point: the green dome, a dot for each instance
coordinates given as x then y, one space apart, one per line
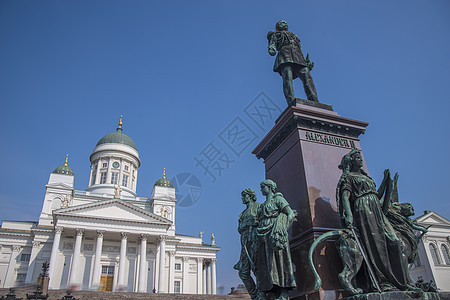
117 138
163 181
64 169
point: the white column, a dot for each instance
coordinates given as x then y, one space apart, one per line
208 278
162 262
134 183
95 283
97 172
213 276
54 255
200 275
156 271
108 172
32 263
90 175
76 257
119 181
116 274
143 265
185 274
123 255
204 278
11 266
171 271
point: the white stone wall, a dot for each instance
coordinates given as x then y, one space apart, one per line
438 235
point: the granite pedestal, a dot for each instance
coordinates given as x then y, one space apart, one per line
301 154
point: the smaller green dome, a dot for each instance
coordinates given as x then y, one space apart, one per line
64 169
163 181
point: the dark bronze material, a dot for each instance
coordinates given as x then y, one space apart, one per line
290 63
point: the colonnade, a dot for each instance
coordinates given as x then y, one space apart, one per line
206 269
97 166
96 273
209 277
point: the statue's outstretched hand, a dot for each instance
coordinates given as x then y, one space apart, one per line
272 51
396 177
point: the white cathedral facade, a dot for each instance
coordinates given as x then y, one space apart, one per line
107 237
433 260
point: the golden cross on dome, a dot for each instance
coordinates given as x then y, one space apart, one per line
67 158
164 173
120 122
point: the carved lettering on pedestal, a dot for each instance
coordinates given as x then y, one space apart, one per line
329 139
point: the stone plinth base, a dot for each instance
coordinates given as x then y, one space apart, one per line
400 296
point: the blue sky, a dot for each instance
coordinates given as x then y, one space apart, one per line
181 71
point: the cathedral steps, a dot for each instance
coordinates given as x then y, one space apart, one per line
96 295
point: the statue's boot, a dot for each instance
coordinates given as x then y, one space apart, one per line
313 97
251 288
416 291
346 278
308 84
283 295
254 294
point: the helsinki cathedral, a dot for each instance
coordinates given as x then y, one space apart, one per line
107 237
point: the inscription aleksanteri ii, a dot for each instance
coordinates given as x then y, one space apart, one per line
329 140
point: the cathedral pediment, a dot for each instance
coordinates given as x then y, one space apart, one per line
113 210
432 218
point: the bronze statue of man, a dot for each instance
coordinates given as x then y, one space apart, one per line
249 244
290 63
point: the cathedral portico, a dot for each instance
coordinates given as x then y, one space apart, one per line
122 251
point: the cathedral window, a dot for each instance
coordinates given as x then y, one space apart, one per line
446 254
105 165
177 287
178 267
68 246
88 247
126 168
434 254
21 277
94 175
25 257
114 177
125 180
102 177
